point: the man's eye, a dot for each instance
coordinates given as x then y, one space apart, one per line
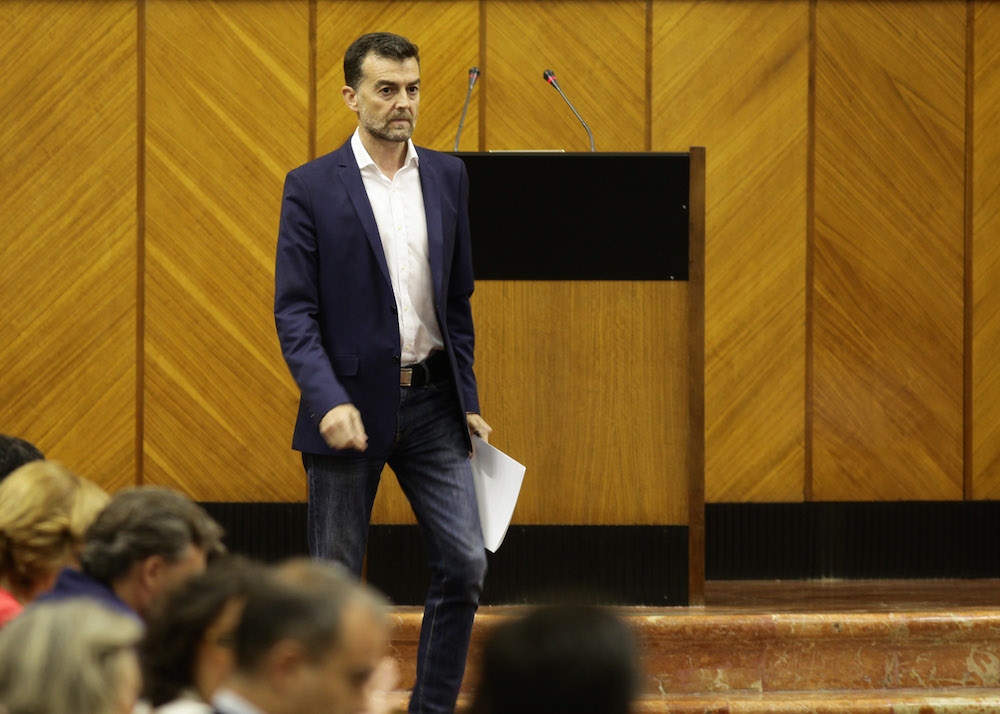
413 90
384 90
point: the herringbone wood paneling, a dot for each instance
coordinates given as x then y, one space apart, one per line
447 34
986 255
68 234
598 53
889 237
733 77
586 384
227 117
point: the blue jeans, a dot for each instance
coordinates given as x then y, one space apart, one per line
431 462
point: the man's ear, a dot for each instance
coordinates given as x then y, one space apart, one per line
151 569
284 664
350 97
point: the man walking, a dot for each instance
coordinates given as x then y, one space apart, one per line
372 283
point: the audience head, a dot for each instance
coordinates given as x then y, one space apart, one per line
146 542
45 510
188 646
559 659
309 640
69 656
15 453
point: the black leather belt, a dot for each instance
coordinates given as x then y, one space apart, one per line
419 375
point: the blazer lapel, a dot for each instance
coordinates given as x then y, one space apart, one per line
350 175
431 189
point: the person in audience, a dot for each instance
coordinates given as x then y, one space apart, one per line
559 660
44 511
187 652
72 657
15 453
309 641
144 544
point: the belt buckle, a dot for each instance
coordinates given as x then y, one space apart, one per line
405 376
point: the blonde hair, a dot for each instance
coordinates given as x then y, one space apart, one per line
44 511
65 656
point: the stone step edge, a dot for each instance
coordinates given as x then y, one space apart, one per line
886 701
691 625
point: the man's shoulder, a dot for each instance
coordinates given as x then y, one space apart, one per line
439 159
323 165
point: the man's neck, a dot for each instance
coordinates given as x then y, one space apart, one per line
254 692
387 155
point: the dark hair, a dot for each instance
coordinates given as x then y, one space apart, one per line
380 44
178 626
559 660
15 453
301 600
140 522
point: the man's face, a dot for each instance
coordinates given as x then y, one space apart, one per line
337 683
387 98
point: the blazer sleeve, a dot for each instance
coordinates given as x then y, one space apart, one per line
296 303
459 309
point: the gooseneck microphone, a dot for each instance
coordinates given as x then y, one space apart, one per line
550 77
473 76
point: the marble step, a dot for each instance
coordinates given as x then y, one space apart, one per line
908 701
688 651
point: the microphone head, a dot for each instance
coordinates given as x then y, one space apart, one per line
474 72
549 76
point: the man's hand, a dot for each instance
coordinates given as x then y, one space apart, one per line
479 427
341 428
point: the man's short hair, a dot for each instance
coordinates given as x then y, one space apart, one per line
141 522
302 600
380 44
15 453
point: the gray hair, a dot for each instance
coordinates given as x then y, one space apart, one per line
142 522
65 656
301 600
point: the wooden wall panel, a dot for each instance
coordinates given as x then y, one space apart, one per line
889 239
576 380
447 34
986 255
68 234
227 117
598 53
733 77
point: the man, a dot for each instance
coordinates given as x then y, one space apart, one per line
372 283
309 641
145 543
15 453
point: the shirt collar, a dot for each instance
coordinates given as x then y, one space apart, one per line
365 160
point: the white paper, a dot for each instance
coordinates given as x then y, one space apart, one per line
498 479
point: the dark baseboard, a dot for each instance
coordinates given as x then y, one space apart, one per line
901 539
648 564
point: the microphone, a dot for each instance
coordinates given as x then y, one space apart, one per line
550 77
473 76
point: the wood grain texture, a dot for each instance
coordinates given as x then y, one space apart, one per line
732 76
226 119
890 116
986 255
585 383
598 53
447 34
68 235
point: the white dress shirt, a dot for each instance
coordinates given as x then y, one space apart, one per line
398 205
229 702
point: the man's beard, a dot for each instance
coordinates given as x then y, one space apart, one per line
385 130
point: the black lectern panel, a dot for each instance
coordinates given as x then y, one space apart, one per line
549 216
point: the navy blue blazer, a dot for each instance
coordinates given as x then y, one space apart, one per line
333 302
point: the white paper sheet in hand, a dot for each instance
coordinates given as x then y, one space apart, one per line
498 481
